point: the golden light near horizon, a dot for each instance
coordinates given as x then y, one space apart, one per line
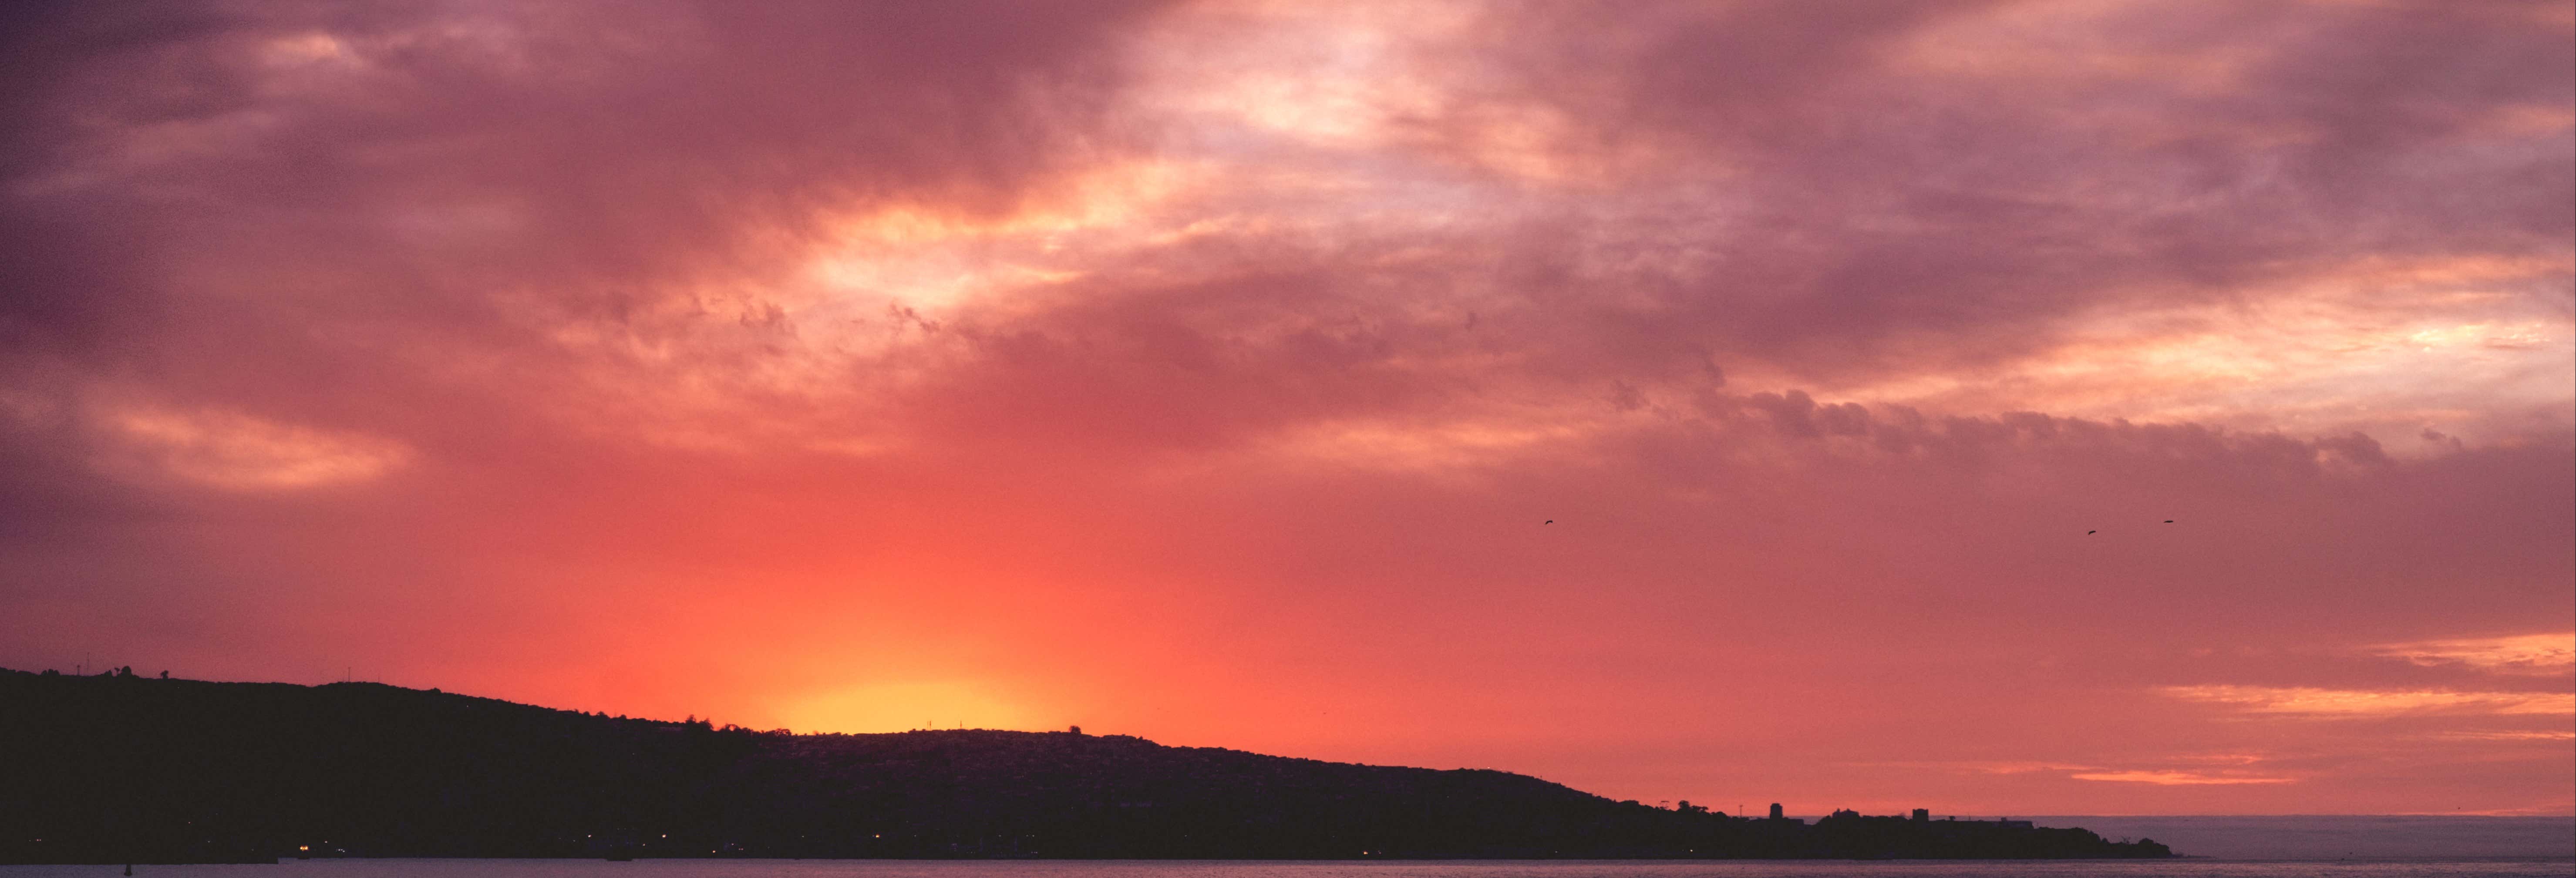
906 706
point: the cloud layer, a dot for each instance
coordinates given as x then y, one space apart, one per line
1207 370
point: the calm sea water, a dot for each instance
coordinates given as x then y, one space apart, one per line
2238 847
1163 869
2343 837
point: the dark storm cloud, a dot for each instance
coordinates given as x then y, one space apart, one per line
442 155
352 216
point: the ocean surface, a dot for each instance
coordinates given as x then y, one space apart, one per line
2341 837
1273 869
2220 847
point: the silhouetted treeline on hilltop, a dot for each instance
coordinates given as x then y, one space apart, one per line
128 768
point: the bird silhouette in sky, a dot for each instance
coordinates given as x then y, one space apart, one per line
2168 521
1549 521
2091 532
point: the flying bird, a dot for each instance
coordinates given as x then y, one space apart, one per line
1549 521
2168 521
2091 532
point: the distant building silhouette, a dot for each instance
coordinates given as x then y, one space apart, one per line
1775 810
1922 815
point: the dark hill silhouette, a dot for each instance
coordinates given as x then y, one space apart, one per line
112 769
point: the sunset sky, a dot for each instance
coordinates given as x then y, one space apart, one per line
1205 372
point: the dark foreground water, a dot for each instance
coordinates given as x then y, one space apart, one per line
1241 869
2235 847
2340 837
